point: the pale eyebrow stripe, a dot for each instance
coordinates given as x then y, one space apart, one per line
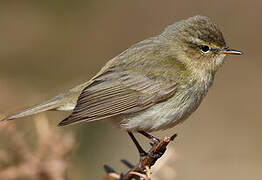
195 40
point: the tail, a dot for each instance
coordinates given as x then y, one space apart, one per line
63 102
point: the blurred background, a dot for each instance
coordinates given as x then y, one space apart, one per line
49 46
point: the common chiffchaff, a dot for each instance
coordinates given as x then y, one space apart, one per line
155 84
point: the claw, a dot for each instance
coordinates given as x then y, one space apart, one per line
108 169
127 163
173 137
111 172
149 136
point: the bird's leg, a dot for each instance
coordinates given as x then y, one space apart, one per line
139 148
147 159
149 136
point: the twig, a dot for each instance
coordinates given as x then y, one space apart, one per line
142 169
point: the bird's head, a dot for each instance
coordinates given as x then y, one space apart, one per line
198 42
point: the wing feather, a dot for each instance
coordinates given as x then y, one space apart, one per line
117 90
118 96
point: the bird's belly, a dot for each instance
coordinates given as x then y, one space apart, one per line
164 115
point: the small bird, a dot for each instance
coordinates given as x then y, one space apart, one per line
153 85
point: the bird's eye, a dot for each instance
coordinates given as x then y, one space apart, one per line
204 48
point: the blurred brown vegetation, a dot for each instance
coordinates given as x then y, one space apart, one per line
50 46
36 158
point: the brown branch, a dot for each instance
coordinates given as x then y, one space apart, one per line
142 169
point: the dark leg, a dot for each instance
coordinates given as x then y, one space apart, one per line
139 148
149 136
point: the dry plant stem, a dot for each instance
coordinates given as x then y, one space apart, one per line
46 160
142 169
149 160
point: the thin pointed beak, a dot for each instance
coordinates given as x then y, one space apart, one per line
230 51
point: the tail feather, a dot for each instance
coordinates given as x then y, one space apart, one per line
65 101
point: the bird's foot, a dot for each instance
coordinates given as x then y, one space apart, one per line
149 136
147 160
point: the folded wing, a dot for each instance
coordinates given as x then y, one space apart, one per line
113 93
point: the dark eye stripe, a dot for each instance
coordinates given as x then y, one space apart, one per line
215 49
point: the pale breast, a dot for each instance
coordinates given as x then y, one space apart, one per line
169 113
